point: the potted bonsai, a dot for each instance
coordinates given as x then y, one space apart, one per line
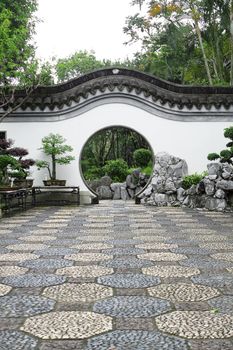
54 146
13 165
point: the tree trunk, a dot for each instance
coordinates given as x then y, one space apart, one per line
53 167
203 51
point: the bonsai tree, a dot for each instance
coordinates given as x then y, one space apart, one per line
225 155
54 146
13 165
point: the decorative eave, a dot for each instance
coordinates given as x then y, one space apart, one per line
125 81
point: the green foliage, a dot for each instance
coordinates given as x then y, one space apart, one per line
16 30
183 41
193 179
225 155
54 146
142 157
116 169
213 156
7 163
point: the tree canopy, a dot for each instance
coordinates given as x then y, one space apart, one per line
184 41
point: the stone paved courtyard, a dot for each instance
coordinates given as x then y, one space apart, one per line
116 276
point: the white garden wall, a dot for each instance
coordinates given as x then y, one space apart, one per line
190 140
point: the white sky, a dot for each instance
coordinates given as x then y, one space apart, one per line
73 25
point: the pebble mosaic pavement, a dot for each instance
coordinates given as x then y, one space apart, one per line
116 276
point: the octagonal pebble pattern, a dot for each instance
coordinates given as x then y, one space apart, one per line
170 271
162 256
22 306
223 304
157 246
12 271
128 280
78 293
33 280
39 238
183 292
196 324
4 289
132 306
223 256
217 280
56 251
94 246
88 257
14 340
46 263
84 271
136 340
18 256
205 263
129 263
24 247
67 325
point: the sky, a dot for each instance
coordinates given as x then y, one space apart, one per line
68 26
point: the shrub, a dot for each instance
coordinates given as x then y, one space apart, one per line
116 169
225 155
93 173
142 157
193 179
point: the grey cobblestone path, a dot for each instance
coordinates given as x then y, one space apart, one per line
116 276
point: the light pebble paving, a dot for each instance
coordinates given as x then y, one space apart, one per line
3 232
98 225
84 271
78 293
171 271
94 246
12 271
217 246
57 220
223 256
18 256
35 238
162 256
24 247
89 257
210 238
196 324
4 289
151 238
156 246
67 325
93 238
183 292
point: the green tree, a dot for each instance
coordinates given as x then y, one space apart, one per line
209 44
18 66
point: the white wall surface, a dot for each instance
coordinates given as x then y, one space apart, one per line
191 141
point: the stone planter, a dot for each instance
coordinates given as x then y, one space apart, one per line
54 182
23 183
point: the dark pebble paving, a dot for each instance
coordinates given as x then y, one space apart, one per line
221 281
136 340
33 280
8 241
132 306
124 251
207 263
223 304
124 241
20 306
128 280
130 262
56 251
14 340
46 263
